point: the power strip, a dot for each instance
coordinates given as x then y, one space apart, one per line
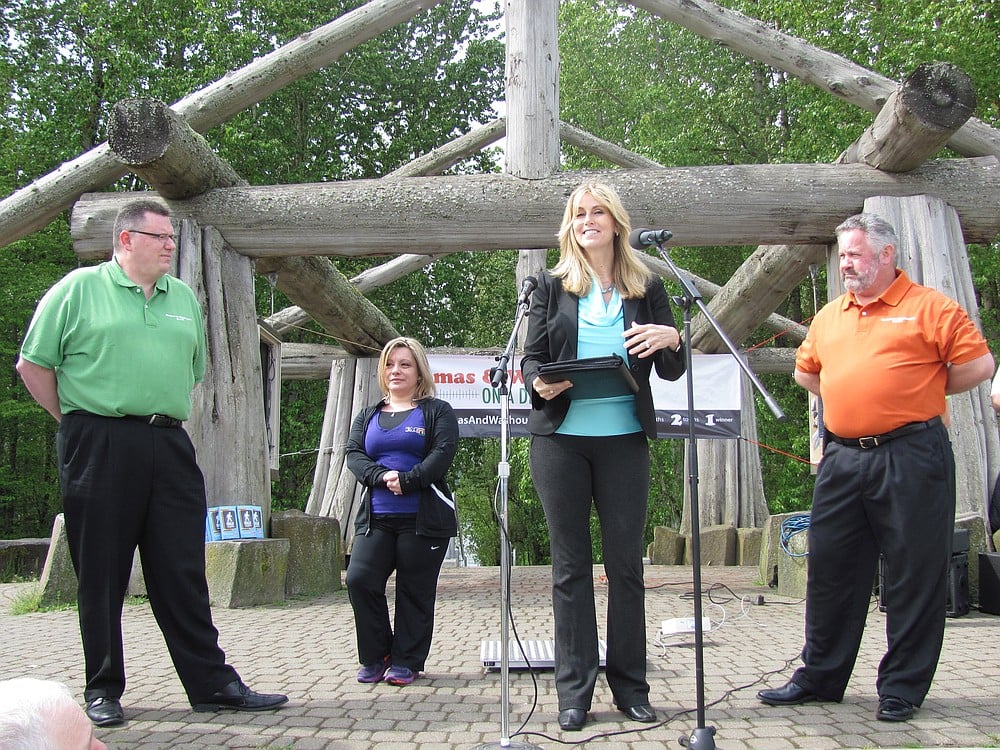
684 625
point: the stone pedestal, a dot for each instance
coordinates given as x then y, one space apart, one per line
718 546
315 556
667 547
22 558
748 544
240 573
790 570
58 581
247 572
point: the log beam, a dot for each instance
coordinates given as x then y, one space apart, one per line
825 70
323 292
721 205
929 107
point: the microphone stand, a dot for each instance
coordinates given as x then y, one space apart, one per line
703 737
498 379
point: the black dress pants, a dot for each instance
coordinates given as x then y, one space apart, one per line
573 474
899 500
393 544
125 485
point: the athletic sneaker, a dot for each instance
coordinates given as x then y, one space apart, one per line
373 672
400 675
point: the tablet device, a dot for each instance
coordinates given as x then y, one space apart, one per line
594 377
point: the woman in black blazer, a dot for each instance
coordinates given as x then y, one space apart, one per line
599 299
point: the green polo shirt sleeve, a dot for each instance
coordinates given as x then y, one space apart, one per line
115 352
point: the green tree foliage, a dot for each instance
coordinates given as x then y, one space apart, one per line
63 63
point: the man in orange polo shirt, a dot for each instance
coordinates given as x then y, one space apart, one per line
883 356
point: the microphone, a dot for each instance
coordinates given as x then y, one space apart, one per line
640 238
527 287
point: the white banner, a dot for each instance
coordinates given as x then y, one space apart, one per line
464 382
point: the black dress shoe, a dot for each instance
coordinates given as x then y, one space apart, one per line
572 719
239 697
643 712
789 695
891 708
105 712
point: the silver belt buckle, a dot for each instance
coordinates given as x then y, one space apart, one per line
868 442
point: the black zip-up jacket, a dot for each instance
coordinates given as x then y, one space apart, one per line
553 325
436 515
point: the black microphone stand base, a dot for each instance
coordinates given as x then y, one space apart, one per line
702 738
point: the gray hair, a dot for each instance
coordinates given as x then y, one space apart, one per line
134 211
878 231
29 707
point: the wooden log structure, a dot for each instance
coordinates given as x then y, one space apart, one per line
227 424
169 155
720 205
36 204
825 70
929 106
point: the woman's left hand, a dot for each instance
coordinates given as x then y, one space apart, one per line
644 340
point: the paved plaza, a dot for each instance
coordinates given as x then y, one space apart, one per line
306 648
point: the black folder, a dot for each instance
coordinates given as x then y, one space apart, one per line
594 377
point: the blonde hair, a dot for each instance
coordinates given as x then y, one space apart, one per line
425 379
629 273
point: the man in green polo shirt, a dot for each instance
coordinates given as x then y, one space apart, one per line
112 353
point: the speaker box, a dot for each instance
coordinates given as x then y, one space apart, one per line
958 603
958 586
989 582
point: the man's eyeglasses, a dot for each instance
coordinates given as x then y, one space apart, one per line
160 237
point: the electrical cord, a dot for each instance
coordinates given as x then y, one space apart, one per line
791 527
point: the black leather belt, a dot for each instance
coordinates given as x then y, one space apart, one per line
157 420
874 441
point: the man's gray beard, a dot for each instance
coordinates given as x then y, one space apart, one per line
858 283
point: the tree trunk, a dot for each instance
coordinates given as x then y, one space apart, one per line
227 419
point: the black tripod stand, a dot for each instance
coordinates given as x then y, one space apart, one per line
702 737
499 379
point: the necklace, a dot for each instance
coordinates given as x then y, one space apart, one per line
394 410
609 289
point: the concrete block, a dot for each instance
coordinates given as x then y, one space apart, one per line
718 546
246 573
748 543
667 547
792 565
793 572
22 558
770 549
315 555
58 581
136 581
